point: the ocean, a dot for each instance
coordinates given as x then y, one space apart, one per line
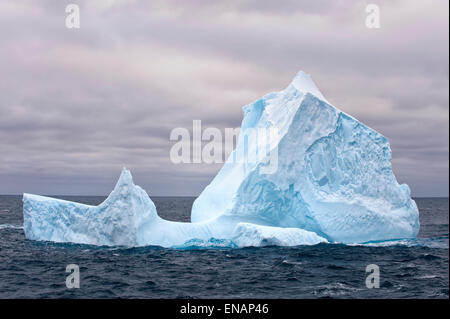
416 268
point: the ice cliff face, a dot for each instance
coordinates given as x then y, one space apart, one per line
333 182
334 175
119 220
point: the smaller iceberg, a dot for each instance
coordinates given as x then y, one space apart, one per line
128 217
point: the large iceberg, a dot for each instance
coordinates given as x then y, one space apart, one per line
333 182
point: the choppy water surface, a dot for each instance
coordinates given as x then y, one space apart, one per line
408 268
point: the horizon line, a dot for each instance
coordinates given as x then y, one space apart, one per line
53 195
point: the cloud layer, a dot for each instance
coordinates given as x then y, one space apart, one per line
78 104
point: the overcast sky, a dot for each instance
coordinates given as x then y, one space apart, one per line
76 105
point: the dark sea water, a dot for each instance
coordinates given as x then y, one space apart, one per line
408 269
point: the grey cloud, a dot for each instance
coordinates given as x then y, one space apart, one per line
77 105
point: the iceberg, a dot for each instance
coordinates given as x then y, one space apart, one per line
333 182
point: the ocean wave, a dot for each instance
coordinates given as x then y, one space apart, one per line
433 242
204 244
10 226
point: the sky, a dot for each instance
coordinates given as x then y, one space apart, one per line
77 105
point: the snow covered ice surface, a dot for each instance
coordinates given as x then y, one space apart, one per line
333 183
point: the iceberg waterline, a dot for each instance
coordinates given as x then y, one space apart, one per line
333 183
